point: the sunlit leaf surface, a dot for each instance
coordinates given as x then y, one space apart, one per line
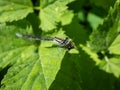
53 13
111 66
12 10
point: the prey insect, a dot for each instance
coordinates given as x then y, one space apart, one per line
62 42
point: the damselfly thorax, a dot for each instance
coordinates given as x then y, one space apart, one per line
62 42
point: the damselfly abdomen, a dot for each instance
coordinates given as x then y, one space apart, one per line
62 42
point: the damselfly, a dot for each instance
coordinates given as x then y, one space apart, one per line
62 42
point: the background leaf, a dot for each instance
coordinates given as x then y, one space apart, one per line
115 45
13 10
103 3
102 38
112 66
53 13
104 42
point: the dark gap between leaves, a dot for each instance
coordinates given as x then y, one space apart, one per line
3 73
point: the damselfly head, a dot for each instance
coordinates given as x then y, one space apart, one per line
70 45
64 42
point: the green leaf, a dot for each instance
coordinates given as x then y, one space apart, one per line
114 48
111 65
51 56
101 39
13 10
53 13
25 73
94 20
104 39
92 54
103 3
8 38
51 61
66 18
25 70
44 3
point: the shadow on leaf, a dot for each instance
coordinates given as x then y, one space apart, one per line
3 73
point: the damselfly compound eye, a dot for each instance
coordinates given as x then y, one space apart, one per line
70 45
62 42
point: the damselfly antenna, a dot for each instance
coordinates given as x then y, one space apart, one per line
62 42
